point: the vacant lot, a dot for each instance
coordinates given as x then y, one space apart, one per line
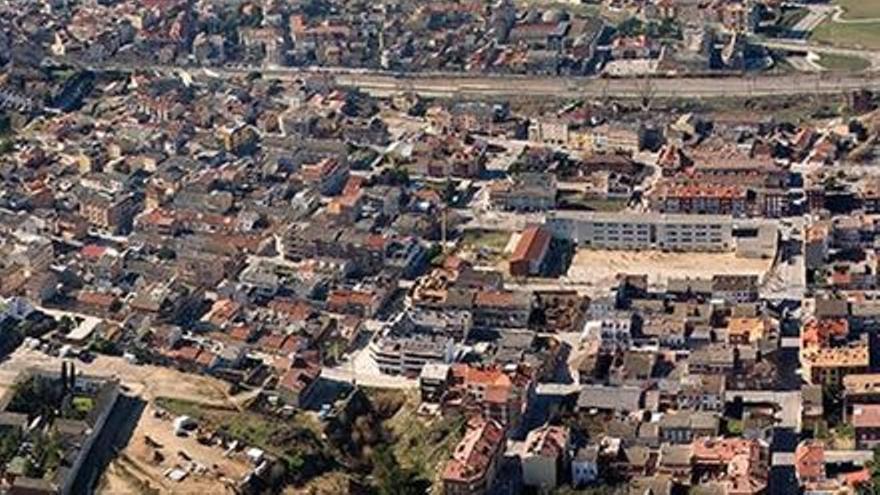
862 35
601 267
154 449
146 381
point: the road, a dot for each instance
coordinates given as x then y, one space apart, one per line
463 85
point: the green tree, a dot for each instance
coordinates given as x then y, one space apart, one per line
391 478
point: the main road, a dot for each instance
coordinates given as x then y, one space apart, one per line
463 85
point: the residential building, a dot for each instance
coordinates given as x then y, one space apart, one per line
545 457
531 191
474 463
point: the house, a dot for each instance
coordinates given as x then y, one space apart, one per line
474 463
809 461
530 191
545 456
701 393
680 427
491 392
585 466
297 382
866 422
675 461
604 398
530 252
738 465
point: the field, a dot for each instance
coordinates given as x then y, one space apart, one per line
862 35
859 9
843 62
601 267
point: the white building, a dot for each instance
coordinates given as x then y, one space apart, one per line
644 231
613 332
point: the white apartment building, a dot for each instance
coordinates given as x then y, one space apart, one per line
644 231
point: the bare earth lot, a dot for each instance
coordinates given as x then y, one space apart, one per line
138 469
601 267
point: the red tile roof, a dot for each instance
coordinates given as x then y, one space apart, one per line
475 453
533 242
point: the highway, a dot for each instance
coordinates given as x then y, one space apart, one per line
463 85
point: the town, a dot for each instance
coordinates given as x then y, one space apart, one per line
329 247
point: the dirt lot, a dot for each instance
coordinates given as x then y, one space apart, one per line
147 382
136 469
600 267
143 463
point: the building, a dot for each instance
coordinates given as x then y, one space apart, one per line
474 463
545 457
328 176
524 192
830 365
500 395
613 332
530 252
554 132
809 461
502 309
740 466
644 231
408 354
680 427
585 466
866 422
701 199
109 213
434 380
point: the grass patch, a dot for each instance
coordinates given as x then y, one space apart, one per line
864 36
494 240
578 201
843 62
422 444
859 9
82 404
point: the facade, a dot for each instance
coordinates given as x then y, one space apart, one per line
525 192
866 422
545 457
646 231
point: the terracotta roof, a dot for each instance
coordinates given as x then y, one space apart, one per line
475 452
532 243
809 460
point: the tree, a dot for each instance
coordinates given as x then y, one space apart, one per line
391 478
